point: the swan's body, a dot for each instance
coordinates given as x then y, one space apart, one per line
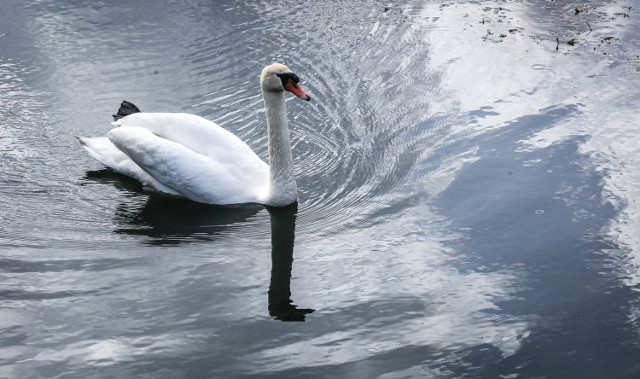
186 155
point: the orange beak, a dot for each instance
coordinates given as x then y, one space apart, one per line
295 89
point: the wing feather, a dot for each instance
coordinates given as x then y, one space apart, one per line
179 163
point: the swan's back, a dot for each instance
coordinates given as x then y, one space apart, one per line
198 134
193 156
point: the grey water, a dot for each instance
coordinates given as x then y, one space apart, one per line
468 178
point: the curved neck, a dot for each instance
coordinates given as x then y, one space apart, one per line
282 183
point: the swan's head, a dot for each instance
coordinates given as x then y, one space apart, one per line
278 77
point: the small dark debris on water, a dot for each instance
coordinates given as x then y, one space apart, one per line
577 10
571 42
503 36
386 9
557 43
513 30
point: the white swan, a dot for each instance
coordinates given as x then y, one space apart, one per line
186 155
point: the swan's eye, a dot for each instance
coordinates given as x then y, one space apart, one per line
284 77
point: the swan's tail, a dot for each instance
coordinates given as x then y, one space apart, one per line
126 108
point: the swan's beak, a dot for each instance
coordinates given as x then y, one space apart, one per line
295 89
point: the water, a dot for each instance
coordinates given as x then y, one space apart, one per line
468 178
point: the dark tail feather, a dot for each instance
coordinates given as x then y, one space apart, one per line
126 108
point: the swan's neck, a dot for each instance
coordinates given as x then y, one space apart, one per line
282 183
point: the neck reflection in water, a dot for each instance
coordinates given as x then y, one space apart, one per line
283 224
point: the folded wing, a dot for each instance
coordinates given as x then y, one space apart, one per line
184 159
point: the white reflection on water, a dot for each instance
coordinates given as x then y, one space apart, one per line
496 78
525 78
615 152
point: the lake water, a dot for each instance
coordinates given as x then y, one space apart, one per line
468 174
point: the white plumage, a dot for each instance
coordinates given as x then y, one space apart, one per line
186 155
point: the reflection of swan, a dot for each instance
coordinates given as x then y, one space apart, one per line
282 236
188 156
173 220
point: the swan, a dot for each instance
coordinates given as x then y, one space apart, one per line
188 156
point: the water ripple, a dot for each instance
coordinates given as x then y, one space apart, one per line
366 132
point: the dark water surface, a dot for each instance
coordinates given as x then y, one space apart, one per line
469 176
